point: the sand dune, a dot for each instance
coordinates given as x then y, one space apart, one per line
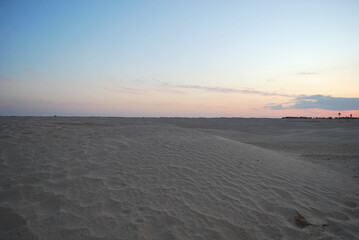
114 178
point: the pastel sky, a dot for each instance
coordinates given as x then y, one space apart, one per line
179 58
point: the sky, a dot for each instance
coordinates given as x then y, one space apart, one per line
267 58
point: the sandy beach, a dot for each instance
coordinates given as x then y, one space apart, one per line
178 178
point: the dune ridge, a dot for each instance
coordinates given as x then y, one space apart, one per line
111 178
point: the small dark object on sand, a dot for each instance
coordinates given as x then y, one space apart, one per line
301 221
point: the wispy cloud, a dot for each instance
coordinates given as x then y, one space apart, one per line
27 71
54 103
276 107
169 90
306 73
233 90
271 80
321 102
126 90
7 79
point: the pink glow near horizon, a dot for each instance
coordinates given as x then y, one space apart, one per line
168 110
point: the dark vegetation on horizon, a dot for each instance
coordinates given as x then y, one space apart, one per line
339 117
290 117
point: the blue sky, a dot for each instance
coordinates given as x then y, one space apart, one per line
133 58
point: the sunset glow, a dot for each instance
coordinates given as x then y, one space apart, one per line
179 58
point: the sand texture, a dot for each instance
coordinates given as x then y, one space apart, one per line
178 178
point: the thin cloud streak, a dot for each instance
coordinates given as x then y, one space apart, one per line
7 79
167 90
307 73
233 90
270 80
64 104
126 90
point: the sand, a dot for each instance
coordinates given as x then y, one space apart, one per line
178 178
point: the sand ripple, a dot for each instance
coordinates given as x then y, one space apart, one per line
107 179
